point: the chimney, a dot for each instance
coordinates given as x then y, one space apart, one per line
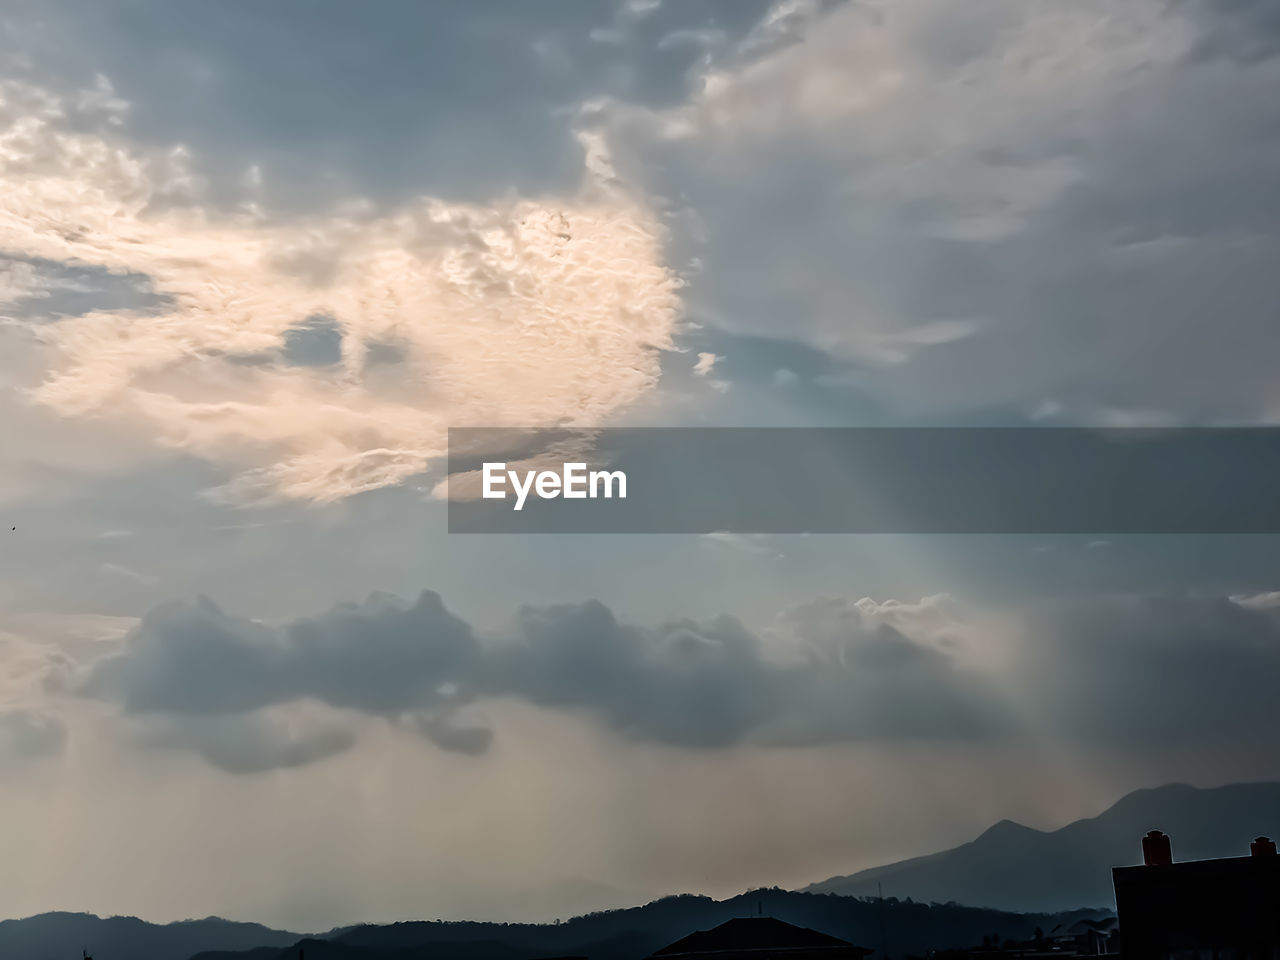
1263 847
1156 849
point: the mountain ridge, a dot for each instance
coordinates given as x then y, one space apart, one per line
1009 880
636 932
57 934
1010 866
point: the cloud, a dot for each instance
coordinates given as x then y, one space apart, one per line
825 671
127 573
756 544
706 363
381 657
18 281
886 670
247 743
685 683
255 351
27 735
1081 184
447 735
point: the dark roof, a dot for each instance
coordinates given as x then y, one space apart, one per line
1247 870
751 933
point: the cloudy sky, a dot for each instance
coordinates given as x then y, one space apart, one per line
256 258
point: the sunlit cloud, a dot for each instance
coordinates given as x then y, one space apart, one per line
525 311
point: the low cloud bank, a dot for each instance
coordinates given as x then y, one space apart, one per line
1120 670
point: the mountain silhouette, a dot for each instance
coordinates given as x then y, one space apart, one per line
891 927
628 934
1016 868
56 936
1014 879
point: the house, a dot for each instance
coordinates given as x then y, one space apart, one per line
1084 938
760 938
1225 909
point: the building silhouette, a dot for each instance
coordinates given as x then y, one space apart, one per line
1225 909
759 938
1084 938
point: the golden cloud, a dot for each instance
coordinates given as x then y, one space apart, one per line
547 311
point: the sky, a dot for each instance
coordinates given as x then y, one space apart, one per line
255 259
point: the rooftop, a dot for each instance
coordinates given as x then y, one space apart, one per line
753 933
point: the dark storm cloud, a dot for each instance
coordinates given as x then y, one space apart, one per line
1110 671
381 657
684 683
